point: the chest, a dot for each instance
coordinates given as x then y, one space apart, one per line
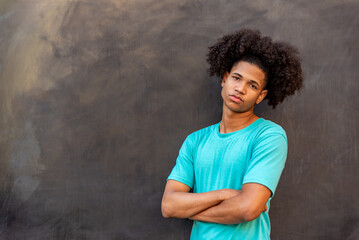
222 164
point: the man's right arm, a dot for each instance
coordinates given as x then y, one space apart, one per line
178 202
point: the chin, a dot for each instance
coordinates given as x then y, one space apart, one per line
241 110
236 110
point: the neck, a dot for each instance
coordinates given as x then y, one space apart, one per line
232 121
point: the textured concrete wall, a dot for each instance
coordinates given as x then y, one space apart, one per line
98 95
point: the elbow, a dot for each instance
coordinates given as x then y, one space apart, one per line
248 214
165 213
166 209
169 210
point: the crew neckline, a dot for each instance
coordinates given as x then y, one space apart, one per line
240 131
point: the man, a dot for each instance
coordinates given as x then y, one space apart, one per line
233 167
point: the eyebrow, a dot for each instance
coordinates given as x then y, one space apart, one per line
252 81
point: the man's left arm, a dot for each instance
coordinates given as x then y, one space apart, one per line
246 206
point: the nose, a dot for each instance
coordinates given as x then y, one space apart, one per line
240 87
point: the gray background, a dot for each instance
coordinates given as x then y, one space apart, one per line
97 97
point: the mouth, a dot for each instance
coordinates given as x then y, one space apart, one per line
236 99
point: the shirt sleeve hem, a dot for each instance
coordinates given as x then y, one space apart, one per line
181 179
261 182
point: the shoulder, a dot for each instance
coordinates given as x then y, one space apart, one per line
202 133
268 128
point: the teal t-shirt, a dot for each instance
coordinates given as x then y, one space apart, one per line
209 160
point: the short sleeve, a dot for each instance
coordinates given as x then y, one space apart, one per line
268 159
183 170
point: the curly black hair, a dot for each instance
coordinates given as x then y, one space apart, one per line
278 60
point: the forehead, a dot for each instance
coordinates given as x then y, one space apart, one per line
249 71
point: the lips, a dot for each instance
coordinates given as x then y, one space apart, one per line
236 99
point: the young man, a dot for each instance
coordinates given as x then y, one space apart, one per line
233 167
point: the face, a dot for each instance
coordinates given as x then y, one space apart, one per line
242 88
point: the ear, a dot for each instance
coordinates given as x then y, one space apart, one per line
261 96
224 78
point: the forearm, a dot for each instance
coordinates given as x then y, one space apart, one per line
184 204
219 214
231 211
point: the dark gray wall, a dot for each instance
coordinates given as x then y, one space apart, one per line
98 95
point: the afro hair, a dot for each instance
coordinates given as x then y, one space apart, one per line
278 60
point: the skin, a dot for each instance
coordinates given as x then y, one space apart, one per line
246 81
242 89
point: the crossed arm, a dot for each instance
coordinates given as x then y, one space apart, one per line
225 206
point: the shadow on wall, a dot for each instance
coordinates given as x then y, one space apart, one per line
92 91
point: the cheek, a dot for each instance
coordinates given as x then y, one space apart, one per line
222 92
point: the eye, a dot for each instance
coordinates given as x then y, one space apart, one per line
253 86
235 77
